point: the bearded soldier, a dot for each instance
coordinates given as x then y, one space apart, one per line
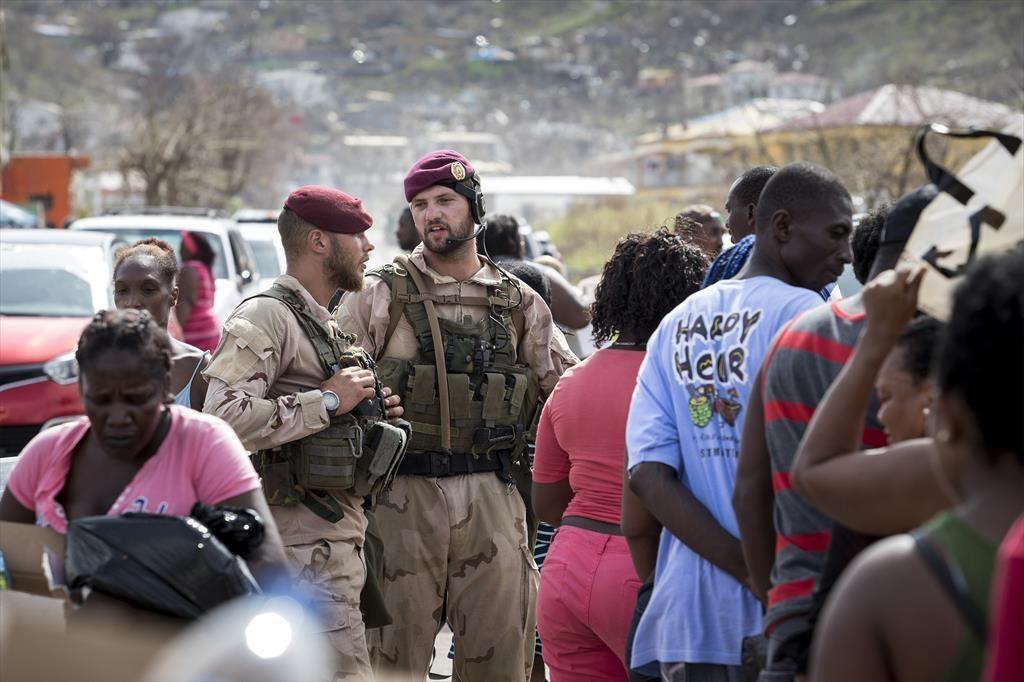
472 351
308 403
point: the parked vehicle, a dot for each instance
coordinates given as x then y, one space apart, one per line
234 269
14 216
51 284
259 229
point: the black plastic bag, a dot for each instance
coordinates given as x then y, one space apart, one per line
169 564
241 530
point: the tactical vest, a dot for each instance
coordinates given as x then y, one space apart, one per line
493 400
358 452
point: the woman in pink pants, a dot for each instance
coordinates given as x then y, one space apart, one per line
588 585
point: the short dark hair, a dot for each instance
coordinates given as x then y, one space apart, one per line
982 345
701 213
865 240
531 275
131 330
747 188
687 227
293 231
501 238
648 275
406 217
796 188
157 249
919 343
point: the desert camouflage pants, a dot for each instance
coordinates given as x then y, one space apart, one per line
464 536
330 572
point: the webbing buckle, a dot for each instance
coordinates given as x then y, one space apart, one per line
440 464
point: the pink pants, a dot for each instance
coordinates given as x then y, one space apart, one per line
587 593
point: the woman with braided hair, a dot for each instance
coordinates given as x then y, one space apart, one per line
134 451
589 584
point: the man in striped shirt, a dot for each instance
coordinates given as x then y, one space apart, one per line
784 538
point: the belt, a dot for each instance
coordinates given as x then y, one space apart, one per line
592 525
441 464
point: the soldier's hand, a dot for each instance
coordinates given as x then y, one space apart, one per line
353 385
391 402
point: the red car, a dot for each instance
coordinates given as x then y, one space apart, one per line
51 284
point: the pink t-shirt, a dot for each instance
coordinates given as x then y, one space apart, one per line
582 433
200 460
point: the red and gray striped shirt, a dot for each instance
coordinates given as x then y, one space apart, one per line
802 363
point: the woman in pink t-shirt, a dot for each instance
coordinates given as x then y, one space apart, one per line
588 585
197 289
133 451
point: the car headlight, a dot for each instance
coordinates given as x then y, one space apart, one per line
62 369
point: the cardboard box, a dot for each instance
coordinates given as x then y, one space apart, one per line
35 645
25 546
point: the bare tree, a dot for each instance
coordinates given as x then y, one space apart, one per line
201 148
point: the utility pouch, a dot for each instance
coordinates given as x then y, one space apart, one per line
383 449
276 478
327 460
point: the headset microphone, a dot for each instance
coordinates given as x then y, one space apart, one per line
457 240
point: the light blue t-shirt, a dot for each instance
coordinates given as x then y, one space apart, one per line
687 412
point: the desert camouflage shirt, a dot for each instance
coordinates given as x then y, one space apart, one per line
365 314
265 382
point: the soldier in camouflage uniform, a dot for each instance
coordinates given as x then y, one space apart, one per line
268 381
454 528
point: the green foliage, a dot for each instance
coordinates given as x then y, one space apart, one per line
586 236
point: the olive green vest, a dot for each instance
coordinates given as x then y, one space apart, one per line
493 400
356 453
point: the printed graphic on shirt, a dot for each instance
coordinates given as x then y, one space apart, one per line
711 362
139 505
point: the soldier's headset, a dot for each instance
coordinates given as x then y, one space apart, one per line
470 188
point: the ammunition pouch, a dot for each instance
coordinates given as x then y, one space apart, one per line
344 457
383 450
494 411
326 460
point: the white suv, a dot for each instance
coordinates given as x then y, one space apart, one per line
234 268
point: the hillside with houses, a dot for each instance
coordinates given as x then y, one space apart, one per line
237 102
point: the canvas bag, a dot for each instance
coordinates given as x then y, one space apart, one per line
978 210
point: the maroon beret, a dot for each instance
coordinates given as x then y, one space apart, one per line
329 209
443 166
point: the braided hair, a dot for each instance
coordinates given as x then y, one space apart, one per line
648 275
130 330
865 240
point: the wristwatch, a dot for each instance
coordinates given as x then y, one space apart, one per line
331 401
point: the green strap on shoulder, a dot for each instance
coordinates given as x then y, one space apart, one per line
318 336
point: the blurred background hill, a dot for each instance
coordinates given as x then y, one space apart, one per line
232 103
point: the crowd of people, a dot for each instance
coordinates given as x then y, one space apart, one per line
752 478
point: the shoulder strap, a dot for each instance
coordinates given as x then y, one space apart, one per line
205 358
314 329
442 372
398 288
953 584
397 283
